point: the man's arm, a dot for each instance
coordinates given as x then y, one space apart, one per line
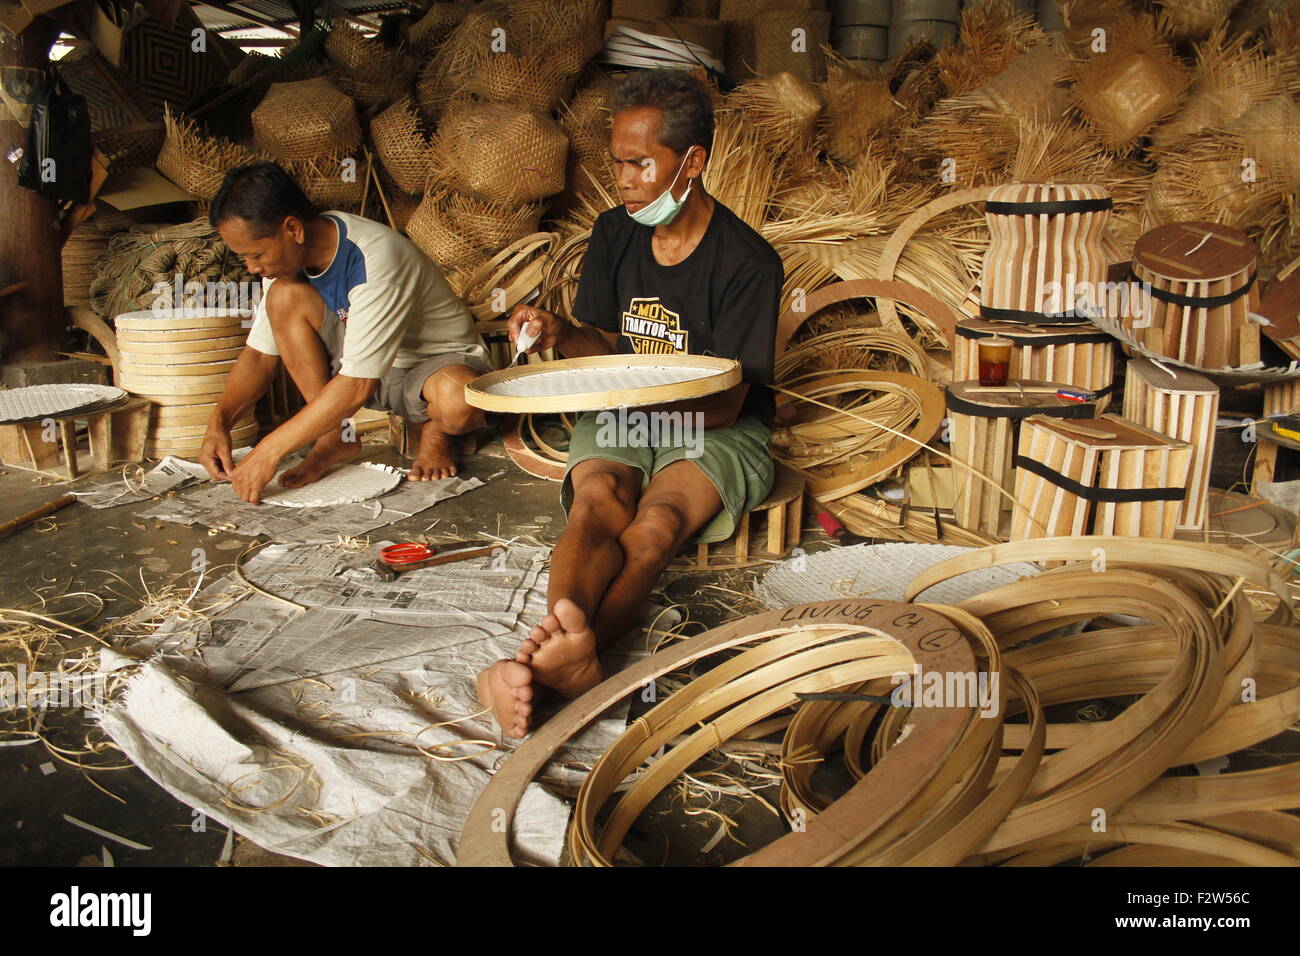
248 381
720 410
337 401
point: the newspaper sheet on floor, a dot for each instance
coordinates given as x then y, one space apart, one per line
212 506
880 571
169 474
347 733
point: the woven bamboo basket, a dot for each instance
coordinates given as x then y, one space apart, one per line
984 429
1077 355
775 42
1183 405
534 82
330 181
402 146
81 255
491 226
502 154
183 389
1125 93
196 162
1045 247
1271 134
1107 476
1200 290
429 32
1194 19
305 120
364 57
431 229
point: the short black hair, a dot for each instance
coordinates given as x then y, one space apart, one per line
262 194
682 100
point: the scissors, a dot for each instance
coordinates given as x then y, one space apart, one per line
396 558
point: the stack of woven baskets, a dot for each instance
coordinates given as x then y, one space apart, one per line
81 254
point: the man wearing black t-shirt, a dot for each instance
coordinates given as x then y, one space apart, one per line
669 271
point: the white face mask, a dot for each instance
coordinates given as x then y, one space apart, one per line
665 208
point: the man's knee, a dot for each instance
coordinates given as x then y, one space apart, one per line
291 302
654 536
602 494
444 391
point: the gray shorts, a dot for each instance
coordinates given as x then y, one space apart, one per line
401 390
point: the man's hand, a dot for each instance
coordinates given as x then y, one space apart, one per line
253 474
215 455
538 321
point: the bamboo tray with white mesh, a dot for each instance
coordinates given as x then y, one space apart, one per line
603 381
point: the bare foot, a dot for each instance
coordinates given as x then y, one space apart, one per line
507 687
323 455
561 652
436 457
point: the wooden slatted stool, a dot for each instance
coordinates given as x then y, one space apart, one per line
1108 476
1200 293
984 429
1184 405
1078 355
1280 398
767 533
114 435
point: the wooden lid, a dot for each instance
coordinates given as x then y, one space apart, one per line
1182 251
1169 378
1280 304
1109 431
1010 401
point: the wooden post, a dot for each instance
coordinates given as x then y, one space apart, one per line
33 327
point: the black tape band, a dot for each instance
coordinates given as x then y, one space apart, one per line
1104 495
1197 301
1048 208
1030 318
963 407
1081 338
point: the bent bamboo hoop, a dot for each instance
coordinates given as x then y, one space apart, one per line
884 291
909 227
530 389
1183 405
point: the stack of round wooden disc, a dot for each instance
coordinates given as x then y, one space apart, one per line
179 361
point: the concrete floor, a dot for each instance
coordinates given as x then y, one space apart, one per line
107 551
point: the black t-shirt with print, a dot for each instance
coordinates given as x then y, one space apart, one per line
721 300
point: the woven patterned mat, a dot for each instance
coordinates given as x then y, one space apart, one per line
35 402
577 381
340 487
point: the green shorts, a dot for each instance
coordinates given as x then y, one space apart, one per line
734 459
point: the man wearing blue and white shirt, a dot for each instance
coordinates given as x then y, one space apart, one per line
358 314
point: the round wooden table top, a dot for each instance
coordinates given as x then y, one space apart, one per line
1019 398
1194 251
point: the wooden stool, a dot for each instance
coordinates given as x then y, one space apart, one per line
782 510
1201 291
1137 478
114 434
984 427
1183 405
1280 398
1076 355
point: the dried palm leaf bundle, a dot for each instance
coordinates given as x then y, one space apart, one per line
1137 83
785 107
1194 19
197 162
741 173
491 226
913 77
432 29
839 203
1271 136
306 119
859 109
402 145
431 229
991 35
1231 77
533 81
501 153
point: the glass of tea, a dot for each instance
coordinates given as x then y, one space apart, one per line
995 360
